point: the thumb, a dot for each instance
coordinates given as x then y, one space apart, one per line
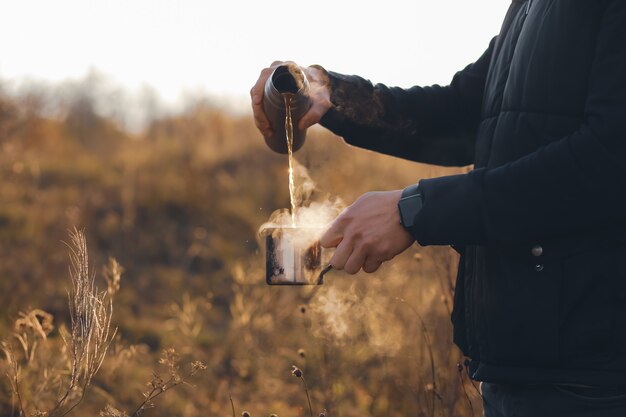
314 115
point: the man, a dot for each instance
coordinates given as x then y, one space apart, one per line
540 222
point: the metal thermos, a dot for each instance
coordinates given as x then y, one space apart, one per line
290 260
289 80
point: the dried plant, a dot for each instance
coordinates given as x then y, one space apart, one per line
13 375
188 316
160 385
297 372
110 411
119 356
30 336
112 273
433 385
31 327
459 367
90 332
86 342
232 404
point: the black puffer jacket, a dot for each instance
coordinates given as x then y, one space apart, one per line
541 220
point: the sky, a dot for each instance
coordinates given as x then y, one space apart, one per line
194 47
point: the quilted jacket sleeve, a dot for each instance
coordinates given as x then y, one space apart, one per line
435 125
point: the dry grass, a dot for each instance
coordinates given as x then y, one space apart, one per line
178 206
85 347
85 344
90 335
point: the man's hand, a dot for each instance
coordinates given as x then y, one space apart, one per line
367 233
319 93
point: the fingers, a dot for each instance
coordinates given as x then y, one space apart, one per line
341 255
351 254
371 265
355 262
351 260
256 93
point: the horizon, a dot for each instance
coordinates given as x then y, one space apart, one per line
176 53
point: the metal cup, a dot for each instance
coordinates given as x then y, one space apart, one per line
294 256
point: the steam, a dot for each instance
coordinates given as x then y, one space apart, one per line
340 313
311 217
344 315
384 309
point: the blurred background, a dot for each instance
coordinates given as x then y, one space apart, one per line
131 120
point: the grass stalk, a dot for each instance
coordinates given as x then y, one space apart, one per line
429 348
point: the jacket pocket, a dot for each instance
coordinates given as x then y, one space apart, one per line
587 307
520 308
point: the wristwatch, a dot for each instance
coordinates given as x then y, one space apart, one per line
409 205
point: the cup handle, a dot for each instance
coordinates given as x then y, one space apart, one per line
324 271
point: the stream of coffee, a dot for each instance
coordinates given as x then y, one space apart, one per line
289 134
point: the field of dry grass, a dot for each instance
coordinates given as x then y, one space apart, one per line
171 216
